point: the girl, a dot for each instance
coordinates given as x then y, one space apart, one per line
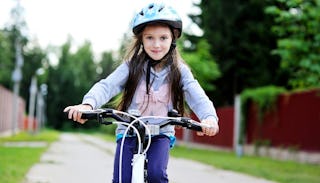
154 79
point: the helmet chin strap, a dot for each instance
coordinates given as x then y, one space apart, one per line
152 63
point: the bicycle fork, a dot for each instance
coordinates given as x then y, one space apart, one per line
138 168
139 161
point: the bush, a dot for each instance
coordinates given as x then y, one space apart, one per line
263 97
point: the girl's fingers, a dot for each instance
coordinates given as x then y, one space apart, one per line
210 131
74 114
200 133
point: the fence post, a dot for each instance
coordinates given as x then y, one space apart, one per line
236 132
33 91
186 135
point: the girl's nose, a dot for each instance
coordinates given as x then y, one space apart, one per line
156 43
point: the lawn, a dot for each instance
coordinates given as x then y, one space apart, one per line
15 161
275 170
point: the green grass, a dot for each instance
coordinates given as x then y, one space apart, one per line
275 170
16 161
46 135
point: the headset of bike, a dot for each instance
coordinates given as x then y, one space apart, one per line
153 79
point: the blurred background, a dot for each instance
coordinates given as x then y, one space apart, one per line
258 61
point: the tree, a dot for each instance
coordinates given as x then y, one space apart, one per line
106 65
6 60
241 42
34 59
297 26
69 81
203 65
13 34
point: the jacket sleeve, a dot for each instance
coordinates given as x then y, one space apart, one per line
195 96
105 89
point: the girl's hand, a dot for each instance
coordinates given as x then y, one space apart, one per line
210 131
75 114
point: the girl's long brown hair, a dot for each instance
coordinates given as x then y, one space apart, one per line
136 58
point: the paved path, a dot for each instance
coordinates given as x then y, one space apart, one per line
85 159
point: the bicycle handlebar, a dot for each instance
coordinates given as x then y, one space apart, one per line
135 124
173 118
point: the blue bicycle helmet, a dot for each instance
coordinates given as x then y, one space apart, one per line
157 13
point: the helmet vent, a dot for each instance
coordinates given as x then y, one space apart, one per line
151 6
141 13
160 9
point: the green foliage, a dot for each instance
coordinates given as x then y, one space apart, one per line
297 24
263 97
204 66
34 59
240 42
67 82
6 60
107 65
70 80
110 130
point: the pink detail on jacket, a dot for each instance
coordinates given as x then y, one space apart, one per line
158 100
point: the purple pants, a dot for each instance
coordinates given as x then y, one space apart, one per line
157 155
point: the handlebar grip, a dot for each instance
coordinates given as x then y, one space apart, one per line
191 124
195 126
87 114
91 114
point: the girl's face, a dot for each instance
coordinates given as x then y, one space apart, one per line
156 40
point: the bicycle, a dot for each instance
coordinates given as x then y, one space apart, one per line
143 132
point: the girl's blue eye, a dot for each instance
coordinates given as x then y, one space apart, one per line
164 37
